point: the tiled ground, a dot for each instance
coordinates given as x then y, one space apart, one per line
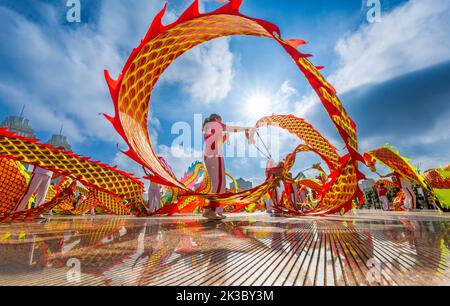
362 248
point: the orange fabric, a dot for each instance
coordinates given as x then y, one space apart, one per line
94 175
163 44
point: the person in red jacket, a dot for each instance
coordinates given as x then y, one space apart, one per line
382 195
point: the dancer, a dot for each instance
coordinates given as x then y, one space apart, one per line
382 195
80 200
302 197
410 196
406 187
215 134
154 197
273 170
39 183
293 190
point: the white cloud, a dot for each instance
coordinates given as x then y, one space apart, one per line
58 70
205 72
126 164
432 161
179 158
283 100
286 97
305 105
50 120
240 163
62 73
411 37
438 133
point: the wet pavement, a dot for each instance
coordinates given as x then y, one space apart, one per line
361 248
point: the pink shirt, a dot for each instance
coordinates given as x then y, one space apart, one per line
214 139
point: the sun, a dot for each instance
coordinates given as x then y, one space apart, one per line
257 105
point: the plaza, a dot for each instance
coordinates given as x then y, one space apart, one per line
365 247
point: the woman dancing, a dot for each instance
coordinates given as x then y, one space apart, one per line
215 134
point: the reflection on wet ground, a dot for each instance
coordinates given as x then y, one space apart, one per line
362 248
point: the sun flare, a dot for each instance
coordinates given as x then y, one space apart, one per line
257 105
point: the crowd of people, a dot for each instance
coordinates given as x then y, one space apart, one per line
404 196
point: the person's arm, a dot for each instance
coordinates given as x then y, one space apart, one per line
249 132
237 129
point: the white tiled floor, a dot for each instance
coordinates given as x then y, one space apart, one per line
362 248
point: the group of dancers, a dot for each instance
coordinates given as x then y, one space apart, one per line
410 201
216 134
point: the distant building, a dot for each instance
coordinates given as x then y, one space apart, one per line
246 185
21 126
301 176
60 141
367 185
18 125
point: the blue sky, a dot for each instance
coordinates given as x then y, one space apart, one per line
392 76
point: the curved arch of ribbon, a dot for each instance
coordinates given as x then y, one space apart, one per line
392 159
131 95
313 140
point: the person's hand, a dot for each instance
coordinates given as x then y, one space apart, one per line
250 134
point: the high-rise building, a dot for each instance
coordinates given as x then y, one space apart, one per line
246 185
21 126
301 176
18 125
367 185
60 141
